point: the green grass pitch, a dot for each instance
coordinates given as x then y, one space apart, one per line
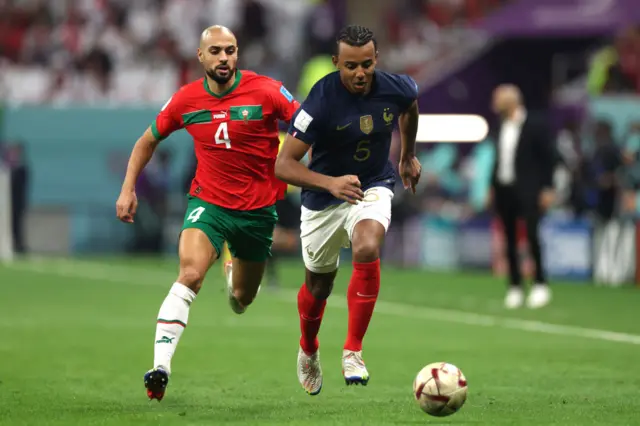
77 337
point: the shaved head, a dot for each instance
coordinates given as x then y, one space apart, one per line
215 32
218 54
506 99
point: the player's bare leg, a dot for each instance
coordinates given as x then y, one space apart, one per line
312 299
197 254
362 294
243 282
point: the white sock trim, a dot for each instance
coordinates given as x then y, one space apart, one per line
183 292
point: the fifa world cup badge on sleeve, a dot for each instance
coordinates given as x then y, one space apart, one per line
366 124
245 115
302 121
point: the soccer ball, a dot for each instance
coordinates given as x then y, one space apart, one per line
440 389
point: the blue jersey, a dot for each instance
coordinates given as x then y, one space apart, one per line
351 134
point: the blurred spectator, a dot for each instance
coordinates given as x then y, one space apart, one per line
570 150
423 33
631 175
320 29
153 192
118 51
312 71
616 68
605 165
624 75
15 157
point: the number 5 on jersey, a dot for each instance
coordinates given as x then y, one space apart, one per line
222 135
362 151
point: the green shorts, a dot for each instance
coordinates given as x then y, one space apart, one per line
249 234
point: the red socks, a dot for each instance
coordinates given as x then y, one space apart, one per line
311 311
361 298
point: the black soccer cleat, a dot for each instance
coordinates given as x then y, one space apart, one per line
156 382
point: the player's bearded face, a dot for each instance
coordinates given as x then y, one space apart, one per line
222 73
219 62
357 65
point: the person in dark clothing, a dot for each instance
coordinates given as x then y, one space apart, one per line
20 173
606 162
522 187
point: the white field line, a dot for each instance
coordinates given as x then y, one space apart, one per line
97 271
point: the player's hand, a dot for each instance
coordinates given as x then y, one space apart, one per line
126 206
347 188
409 170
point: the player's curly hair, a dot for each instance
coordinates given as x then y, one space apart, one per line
356 35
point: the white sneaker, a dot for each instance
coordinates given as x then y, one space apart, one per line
233 302
514 298
353 368
539 296
310 372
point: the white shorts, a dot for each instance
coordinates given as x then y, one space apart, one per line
323 233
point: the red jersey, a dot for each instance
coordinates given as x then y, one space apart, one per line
235 136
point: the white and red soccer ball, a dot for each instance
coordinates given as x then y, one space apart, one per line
440 389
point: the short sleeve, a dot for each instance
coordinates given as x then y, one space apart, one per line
408 91
168 119
285 105
306 123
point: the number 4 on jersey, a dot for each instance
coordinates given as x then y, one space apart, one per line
195 214
222 135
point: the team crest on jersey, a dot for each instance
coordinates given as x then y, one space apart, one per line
387 116
366 124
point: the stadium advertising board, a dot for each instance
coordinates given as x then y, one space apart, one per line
566 244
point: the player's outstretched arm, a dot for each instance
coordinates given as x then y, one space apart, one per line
290 170
409 167
142 151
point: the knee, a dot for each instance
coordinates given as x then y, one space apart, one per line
321 292
320 285
191 277
365 250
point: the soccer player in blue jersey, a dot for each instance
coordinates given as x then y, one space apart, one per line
347 121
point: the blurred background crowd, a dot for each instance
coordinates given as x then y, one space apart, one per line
137 52
79 79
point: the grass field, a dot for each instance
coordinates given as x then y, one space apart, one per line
77 337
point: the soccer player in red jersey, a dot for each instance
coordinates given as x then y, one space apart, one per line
232 116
